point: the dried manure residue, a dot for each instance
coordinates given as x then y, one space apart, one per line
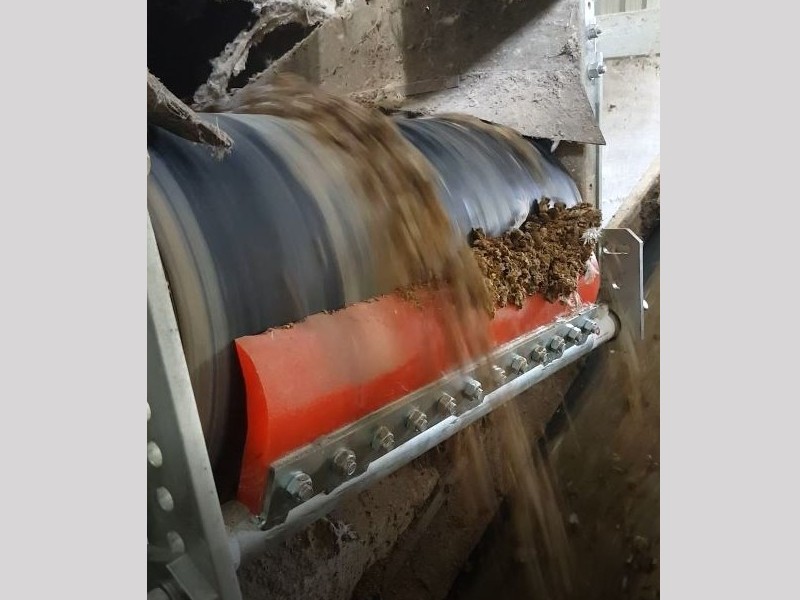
545 256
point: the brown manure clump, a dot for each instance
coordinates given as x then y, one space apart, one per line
545 256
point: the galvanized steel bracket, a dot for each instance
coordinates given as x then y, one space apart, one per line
622 281
186 536
468 388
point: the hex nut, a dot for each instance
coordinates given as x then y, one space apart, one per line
557 345
383 438
417 420
448 404
539 355
591 326
597 68
473 390
345 461
575 334
518 364
300 486
499 375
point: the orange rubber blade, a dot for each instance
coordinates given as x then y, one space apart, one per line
316 376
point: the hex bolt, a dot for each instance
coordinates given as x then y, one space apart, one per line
164 499
448 404
539 355
345 461
499 375
383 438
590 326
299 486
154 456
473 390
518 364
417 420
593 32
557 344
575 334
175 542
597 68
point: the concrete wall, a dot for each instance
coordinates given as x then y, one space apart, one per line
631 122
630 115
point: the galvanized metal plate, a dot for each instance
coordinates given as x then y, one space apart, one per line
621 274
185 532
526 70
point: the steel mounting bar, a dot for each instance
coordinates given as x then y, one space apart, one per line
251 539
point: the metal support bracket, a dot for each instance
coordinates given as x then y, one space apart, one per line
622 284
593 82
186 537
329 462
252 536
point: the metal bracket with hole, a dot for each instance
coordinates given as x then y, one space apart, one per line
187 540
622 279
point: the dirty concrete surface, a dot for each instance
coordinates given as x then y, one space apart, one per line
515 63
631 121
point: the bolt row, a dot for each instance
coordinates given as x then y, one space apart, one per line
597 67
299 484
543 355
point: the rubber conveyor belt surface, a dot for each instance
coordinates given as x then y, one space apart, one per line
274 232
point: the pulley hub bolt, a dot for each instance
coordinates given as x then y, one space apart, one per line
383 439
417 420
345 461
299 486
